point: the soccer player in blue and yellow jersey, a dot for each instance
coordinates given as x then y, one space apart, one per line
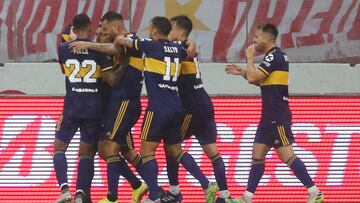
274 130
123 109
163 116
84 71
199 119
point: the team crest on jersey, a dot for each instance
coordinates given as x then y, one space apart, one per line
269 57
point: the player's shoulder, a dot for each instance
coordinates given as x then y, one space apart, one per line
64 45
276 54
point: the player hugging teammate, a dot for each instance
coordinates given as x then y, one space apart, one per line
103 91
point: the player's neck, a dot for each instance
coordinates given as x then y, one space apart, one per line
163 37
269 47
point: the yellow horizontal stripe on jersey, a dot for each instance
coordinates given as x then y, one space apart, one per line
137 63
83 71
157 66
263 70
187 67
276 78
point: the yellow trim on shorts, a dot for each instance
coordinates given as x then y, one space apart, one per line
146 127
282 134
185 125
119 118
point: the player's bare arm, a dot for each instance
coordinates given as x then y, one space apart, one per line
123 41
113 76
105 48
253 75
191 48
235 70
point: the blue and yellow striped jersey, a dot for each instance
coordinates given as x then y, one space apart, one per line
274 88
129 87
83 72
191 88
162 67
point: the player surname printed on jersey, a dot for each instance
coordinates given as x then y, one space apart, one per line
82 51
169 49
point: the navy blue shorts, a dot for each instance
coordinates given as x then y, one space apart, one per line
274 135
121 117
67 126
162 125
200 122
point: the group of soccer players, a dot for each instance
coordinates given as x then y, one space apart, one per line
103 90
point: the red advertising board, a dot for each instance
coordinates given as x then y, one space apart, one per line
327 132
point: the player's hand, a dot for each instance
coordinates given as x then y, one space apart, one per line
120 40
191 48
80 45
250 51
235 70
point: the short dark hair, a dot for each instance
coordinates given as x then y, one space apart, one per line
183 22
162 24
270 29
81 21
112 16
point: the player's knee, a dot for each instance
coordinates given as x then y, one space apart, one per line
85 156
101 150
125 150
215 157
60 145
290 161
113 158
210 150
166 148
257 161
173 150
179 155
148 158
88 149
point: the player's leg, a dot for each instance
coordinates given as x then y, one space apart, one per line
89 131
172 165
173 141
262 144
127 145
286 153
117 126
65 130
85 171
129 153
151 136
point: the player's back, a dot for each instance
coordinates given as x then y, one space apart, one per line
274 88
130 85
83 72
161 71
191 88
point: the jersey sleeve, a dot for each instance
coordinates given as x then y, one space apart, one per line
60 59
145 45
105 62
268 64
